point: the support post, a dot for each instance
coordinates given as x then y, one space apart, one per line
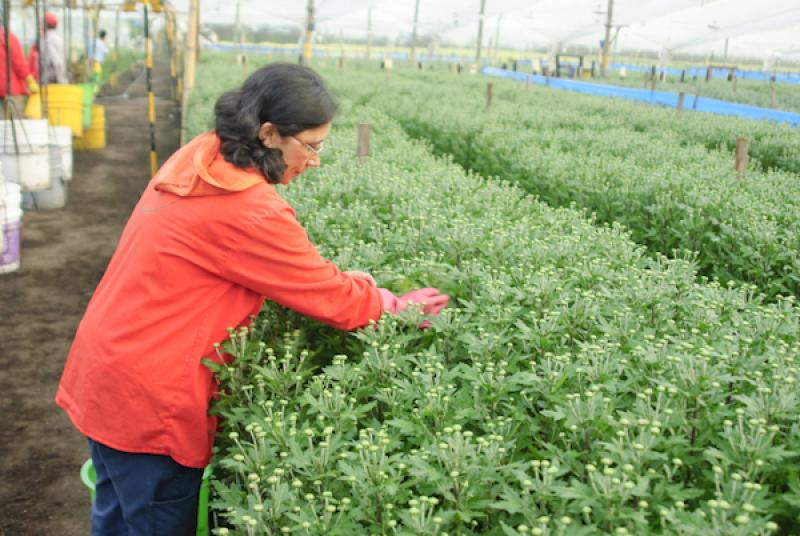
741 156
308 46
488 95
480 34
414 33
190 57
151 101
772 91
607 40
369 32
115 52
363 142
681 96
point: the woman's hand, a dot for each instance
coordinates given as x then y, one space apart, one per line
431 299
362 275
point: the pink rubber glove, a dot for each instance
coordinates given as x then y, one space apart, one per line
431 299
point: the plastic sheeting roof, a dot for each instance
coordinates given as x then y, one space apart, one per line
757 29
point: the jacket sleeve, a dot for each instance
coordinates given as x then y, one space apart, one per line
274 257
18 63
33 63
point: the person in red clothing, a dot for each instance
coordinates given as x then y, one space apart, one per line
209 240
21 82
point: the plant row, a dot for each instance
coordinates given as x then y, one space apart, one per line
675 196
574 386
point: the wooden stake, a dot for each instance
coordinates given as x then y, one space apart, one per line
741 156
772 90
363 142
488 94
681 96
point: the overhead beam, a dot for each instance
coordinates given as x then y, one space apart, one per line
775 21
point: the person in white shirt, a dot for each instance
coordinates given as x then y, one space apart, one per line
55 71
99 50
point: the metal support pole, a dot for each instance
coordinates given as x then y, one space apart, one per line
480 33
496 38
169 19
414 33
308 45
151 101
190 57
42 55
369 32
115 52
88 46
65 26
607 41
8 101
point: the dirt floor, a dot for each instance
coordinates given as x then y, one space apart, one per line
64 254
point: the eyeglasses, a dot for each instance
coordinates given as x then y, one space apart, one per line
313 150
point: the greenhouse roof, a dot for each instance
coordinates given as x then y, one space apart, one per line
765 28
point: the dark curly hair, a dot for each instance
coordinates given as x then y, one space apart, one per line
291 97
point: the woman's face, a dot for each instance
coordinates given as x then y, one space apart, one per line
300 151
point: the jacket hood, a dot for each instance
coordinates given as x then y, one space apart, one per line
199 169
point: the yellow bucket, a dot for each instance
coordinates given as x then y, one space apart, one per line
65 106
94 137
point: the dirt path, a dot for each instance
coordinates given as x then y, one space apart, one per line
64 254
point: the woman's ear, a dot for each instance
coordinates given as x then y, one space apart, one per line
267 134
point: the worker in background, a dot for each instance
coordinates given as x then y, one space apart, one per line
13 91
98 55
54 65
209 241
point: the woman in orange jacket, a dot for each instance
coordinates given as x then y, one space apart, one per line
208 242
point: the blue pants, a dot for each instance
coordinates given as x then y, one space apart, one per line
142 494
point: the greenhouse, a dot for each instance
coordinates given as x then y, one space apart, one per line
493 267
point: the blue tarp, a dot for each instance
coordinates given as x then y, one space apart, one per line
716 72
663 98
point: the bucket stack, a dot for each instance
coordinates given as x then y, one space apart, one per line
10 223
36 157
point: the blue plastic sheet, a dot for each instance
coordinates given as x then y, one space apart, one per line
716 72
663 98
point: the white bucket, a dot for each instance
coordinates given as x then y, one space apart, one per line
62 137
10 222
53 197
28 163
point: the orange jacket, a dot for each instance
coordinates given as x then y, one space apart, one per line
205 245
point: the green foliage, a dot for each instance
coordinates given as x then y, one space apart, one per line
668 179
574 386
